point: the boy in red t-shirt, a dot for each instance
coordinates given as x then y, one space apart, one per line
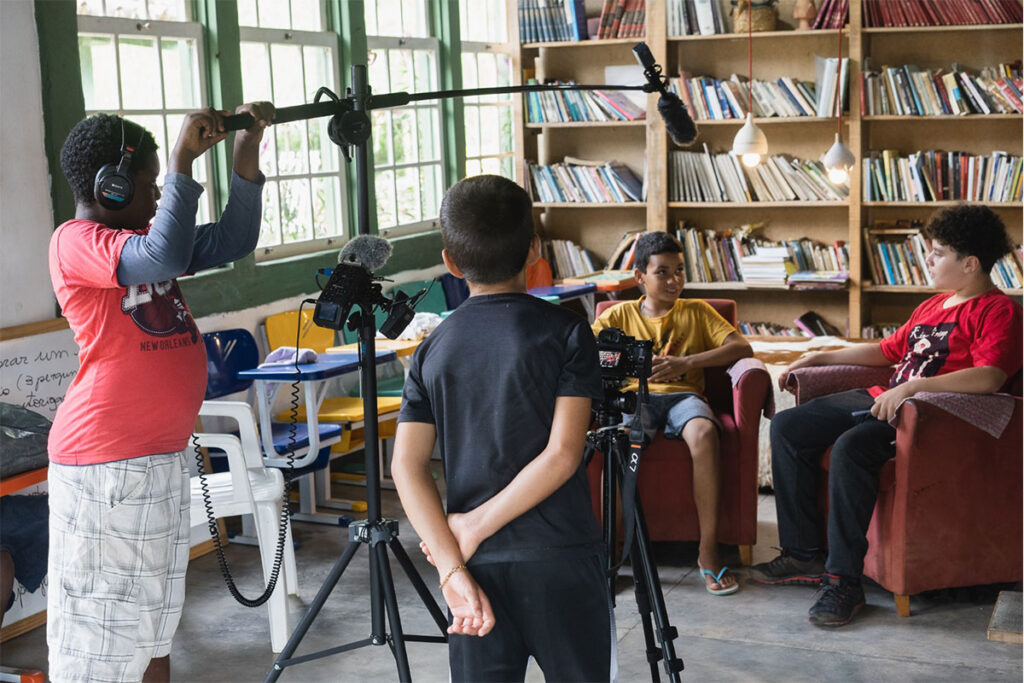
966 341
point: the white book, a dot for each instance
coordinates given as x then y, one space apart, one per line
705 16
825 85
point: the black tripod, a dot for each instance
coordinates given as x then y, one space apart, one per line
351 129
619 467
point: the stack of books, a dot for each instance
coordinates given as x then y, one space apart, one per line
579 181
832 98
940 12
908 90
706 177
767 267
935 176
819 279
580 105
567 259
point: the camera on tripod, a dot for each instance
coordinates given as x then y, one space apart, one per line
620 357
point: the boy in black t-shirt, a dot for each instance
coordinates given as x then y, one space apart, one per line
505 386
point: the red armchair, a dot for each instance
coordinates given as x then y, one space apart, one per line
665 482
949 503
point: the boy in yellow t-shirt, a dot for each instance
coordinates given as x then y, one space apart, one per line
688 335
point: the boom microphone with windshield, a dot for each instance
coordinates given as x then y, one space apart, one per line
678 123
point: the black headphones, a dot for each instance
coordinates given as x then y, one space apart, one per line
114 186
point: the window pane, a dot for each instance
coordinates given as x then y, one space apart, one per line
429 126
472 167
97 57
296 212
370 17
425 71
327 207
414 19
430 191
469 76
90 7
130 9
270 231
247 13
403 134
506 137
489 130
306 15
268 151
506 167
323 154
381 121
181 87
407 186
155 125
274 14
287 75
319 70
140 73
291 151
384 191
168 10
472 131
389 17
377 71
400 62
256 73
490 165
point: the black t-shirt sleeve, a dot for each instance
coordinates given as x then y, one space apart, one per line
415 402
581 372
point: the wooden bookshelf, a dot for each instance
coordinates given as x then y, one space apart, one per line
644 145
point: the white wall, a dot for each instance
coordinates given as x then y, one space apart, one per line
26 215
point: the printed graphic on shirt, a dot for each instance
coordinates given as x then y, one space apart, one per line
158 309
929 349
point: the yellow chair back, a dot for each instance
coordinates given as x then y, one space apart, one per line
280 330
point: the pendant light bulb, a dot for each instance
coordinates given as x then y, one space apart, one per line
838 161
750 143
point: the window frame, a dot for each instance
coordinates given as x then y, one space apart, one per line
506 49
328 39
116 27
433 44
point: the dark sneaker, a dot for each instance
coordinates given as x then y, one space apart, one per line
786 569
836 603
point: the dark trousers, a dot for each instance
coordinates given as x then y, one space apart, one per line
861 445
557 611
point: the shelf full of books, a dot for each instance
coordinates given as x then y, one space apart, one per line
580 105
710 98
584 182
552 21
742 256
932 176
909 90
897 258
721 177
943 13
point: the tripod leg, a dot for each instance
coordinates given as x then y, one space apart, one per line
420 586
645 571
387 585
643 604
314 609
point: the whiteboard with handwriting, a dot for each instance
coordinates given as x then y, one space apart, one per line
35 371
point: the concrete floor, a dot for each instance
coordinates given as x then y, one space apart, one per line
758 634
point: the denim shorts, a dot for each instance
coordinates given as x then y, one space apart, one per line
671 412
119 544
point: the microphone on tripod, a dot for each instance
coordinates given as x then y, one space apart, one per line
678 123
369 251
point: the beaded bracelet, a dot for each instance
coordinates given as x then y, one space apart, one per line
456 568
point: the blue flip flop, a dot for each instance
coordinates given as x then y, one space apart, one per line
717 578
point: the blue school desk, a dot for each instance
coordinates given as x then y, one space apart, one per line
564 293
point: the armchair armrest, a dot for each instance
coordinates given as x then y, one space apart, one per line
821 380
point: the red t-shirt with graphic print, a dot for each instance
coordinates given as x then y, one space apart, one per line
142 361
984 330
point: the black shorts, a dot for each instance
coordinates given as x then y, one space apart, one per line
557 611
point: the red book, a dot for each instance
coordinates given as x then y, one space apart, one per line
1011 94
620 9
940 88
606 16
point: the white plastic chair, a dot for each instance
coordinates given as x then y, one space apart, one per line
248 487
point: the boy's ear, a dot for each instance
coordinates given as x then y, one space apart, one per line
533 255
450 265
971 264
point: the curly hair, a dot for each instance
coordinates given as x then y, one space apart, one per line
651 243
96 141
970 230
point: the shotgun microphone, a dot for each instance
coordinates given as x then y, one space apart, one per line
678 123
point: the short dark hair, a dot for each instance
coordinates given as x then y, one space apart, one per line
970 230
651 243
96 141
487 227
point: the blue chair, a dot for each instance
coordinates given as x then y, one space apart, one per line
455 290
